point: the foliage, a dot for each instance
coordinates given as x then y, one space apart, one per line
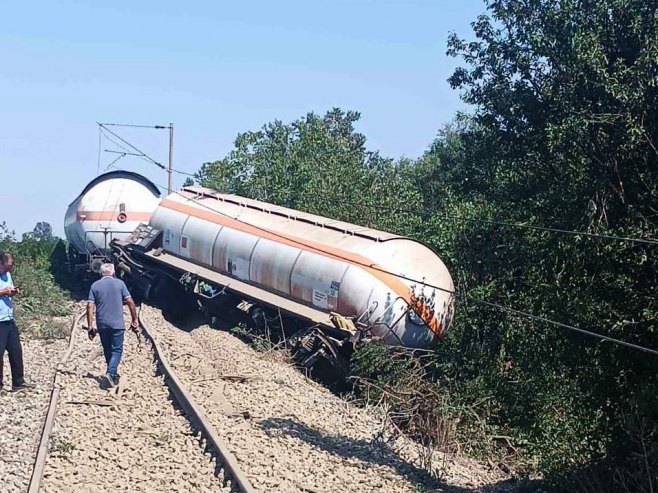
42 301
41 232
563 134
318 164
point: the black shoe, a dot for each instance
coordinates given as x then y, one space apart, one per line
23 386
109 380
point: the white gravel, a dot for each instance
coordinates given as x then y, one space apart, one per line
126 439
22 414
289 433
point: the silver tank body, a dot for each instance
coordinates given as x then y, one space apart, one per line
329 265
110 207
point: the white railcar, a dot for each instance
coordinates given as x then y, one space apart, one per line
110 207
397 286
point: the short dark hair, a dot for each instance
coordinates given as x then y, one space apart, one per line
5 257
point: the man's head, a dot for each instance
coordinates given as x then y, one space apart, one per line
107 270
6 262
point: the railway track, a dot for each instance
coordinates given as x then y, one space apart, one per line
199 410
88 433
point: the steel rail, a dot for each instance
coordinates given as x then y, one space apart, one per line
193 411
42 451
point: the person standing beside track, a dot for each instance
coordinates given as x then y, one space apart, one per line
108 295
9 337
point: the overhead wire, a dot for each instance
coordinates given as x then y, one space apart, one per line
427 213
123 148
559 324
112 163
98 165
452 292
139 154
133 125
102 125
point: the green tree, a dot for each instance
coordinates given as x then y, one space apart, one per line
43 231
562 134
319 164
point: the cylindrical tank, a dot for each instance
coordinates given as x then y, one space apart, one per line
110 207
396 285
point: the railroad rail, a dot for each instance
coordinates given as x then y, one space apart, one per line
198 418
225 460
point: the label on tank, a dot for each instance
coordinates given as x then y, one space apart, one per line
240 268
168 235
320 299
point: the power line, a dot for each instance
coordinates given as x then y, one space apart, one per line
121 154
124 148
124 153
132 146
159 127
426 213
564 326
193 175
98 165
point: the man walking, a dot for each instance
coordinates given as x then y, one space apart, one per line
9 338
109 294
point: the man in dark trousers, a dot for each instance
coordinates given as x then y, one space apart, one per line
109 294
9 338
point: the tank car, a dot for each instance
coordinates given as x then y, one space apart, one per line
350 281
110 207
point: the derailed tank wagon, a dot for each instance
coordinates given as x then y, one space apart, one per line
345 280
327 283
109 208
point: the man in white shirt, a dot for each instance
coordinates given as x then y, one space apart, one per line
9 338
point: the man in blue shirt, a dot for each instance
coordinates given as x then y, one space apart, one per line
109 294
9 338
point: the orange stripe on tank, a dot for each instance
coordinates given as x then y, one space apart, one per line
365 263
112 215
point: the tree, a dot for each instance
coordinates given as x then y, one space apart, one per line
317 163
563 134
41 232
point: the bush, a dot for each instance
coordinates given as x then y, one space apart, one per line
42 304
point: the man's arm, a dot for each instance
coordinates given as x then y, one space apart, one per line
91 300
134 324
90 314
128 300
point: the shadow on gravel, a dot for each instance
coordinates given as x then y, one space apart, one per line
102 382
189 322
363 450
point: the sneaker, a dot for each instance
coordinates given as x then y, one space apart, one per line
109 380
23 386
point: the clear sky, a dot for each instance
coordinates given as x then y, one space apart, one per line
213 68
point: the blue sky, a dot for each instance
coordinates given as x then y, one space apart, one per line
214 69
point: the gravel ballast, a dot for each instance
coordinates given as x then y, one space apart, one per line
22 414
289 433
130 438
